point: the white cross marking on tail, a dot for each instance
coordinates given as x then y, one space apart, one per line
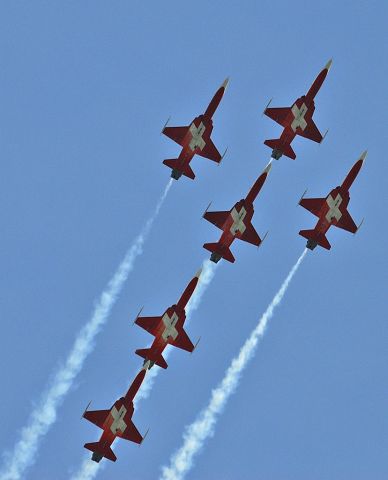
196 134
238 221
118 420
169 323
299 114
334 211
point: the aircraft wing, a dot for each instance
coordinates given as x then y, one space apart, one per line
278 114
217 218
176 133
311 132
313 205
251 236
131 433
148 323
346 222
210 152
97 417
183 341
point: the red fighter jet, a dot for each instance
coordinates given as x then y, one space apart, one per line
195 139
116 422
331 210
167 329
296 120
235 223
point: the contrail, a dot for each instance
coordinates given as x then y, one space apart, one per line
203 427
88 469
45 414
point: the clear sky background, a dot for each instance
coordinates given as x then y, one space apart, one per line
85 88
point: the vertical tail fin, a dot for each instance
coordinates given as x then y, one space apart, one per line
148 354
219 251
314 239
99 451
279 149
178 169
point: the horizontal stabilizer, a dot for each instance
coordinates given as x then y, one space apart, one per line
101 450
281 148
174 164
223 252
148 354
318 239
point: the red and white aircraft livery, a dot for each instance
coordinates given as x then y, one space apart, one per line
167 329
235 223
195 139
116 422
331 210
296 120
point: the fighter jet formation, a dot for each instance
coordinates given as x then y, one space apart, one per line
236 223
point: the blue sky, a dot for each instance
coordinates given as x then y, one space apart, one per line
85 88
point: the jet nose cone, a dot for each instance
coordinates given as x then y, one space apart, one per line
225 84
328 64
363 155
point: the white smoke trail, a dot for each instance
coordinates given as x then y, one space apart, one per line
45 414
196 434
88 469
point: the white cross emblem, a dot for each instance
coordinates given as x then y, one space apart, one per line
118 420
169 323
299 114
334 211
196 133
238 221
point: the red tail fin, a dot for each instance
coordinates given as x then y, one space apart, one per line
315 239
179 168
280 149
148 354
218 252
100 451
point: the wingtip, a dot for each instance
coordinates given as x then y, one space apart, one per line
86 409
198 274
364 154
328 64
225 83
